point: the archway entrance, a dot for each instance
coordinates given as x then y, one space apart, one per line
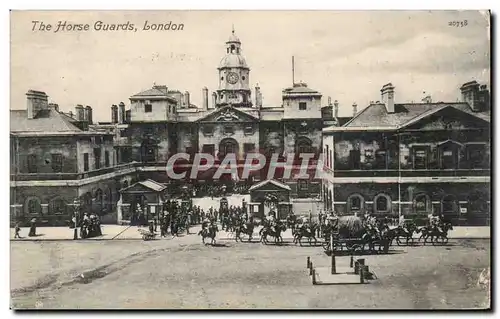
228 146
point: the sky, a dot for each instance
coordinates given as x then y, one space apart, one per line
347 55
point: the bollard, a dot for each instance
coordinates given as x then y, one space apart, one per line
308 262
361 275
313 276
311 269
334 264
351 264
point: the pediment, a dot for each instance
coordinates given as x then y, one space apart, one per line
228 114
448 118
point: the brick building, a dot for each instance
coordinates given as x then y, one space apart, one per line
413 159
99 159
57 158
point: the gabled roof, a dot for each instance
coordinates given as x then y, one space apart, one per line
149 184
449 141
48 120
375 115
153 92
272 181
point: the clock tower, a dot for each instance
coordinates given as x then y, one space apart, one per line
234 88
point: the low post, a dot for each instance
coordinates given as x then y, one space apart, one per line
311 269
351 264
308 262
356 267
313 276
334 264
361 275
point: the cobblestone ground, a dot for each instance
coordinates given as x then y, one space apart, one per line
183 273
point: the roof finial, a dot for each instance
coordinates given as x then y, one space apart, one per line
232 29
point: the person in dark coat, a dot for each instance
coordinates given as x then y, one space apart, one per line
17 230
32 232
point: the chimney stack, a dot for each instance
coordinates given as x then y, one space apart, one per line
336 107
187 101
89 114
121 113
388 97
114 114
80 113
36 101
354 109
258 97
470 94
204 97
214 100
70 113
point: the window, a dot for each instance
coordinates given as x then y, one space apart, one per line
123 133
85 162
228 129
327 153
97 158
303 185
243 78
302 106
355 203
382 202
34 207
148 108
208 130
420 156
248 129
98 140
354 159
233 96
222 78
422 204
106 159
208 149
32 163
248 147
380 159
448 159
476 155
304 145
57 162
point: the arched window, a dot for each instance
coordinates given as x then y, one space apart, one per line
303 145
355 203
382 203
58 206
422 204
33 206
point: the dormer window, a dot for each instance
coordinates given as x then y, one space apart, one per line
233 48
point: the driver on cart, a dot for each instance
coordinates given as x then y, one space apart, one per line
271 220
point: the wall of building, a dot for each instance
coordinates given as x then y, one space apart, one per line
239 135
292 110
162 110
87 144
292 133
43 147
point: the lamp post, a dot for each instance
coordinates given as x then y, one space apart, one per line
76 205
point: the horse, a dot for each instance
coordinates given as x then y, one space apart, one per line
405 233
434 232
309 233
243 228
209 232
276 233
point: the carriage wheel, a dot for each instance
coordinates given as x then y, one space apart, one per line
398 241
441 240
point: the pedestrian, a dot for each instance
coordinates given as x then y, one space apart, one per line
17 230
151 227
155 222
32 232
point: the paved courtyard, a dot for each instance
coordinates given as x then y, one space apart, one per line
183 273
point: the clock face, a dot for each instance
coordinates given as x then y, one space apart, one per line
232 77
